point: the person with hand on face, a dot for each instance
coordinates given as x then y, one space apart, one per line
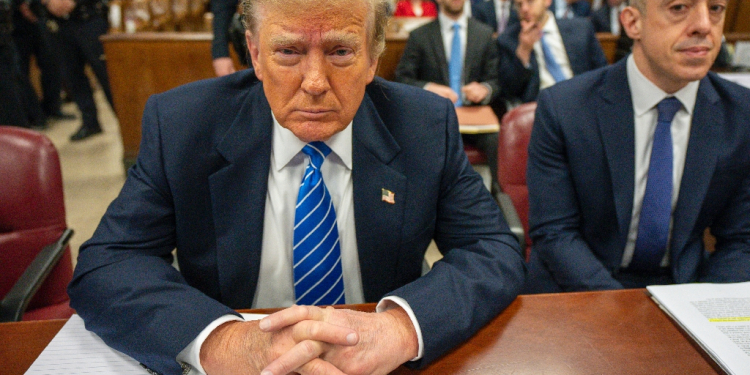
629 165
304 180
541 51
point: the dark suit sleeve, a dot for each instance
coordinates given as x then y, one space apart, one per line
124 271
223 11
482 269
408 70
490 69
730 262
554 215
515 79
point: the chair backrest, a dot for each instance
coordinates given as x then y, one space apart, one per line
32 215
512 154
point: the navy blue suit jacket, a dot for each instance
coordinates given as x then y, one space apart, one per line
200 183
581 180
584 53
485 12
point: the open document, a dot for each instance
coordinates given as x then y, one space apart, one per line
717 316
75 351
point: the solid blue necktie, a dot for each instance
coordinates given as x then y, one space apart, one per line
318 279
455 65
552 66
656 211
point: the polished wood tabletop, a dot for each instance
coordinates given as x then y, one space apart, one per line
613 332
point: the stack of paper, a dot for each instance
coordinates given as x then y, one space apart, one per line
717 316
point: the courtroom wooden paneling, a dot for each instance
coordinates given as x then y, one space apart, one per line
144 64
737 17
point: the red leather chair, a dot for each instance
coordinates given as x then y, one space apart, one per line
35 257
512 154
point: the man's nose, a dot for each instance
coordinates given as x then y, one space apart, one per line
701 20
315 77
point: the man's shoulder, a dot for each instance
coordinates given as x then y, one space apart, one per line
575 26
579 87
214 89
480 27
426 29
729 90
509 38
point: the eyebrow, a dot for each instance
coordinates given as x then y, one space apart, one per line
331 37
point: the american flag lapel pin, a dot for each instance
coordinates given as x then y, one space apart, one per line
387 196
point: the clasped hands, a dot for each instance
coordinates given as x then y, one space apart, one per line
474 92
312 340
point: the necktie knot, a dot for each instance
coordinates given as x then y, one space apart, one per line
456 27
667 109
317 151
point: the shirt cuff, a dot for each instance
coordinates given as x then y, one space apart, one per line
487 98
191 354
390 302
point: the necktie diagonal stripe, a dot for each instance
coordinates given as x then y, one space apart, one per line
318 276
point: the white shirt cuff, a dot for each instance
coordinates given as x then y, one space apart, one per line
390 302
191 355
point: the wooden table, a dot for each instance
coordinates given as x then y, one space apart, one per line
613 332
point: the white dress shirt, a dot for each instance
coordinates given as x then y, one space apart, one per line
555 43
646 96
446 31
275 286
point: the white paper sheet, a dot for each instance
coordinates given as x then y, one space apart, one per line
717 316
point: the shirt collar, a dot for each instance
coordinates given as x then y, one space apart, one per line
550 27
446 23
286 145
649 95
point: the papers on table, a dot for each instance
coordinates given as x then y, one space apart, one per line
477 119
75 351
717 316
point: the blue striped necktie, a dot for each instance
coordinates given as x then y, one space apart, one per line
656 210
549 60
455 65
318 279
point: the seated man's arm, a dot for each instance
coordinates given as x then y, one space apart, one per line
514 75
409 67
554 216
487 87
730 262
482 269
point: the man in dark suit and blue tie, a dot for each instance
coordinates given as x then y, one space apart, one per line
455 57
630 165
541 51
302 180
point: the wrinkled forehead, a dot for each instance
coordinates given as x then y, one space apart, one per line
315 14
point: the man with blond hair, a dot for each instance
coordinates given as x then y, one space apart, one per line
629 165
258 178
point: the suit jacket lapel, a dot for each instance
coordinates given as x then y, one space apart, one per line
378 222
238 194
700 162
473 53
616 124
436 43
568 37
